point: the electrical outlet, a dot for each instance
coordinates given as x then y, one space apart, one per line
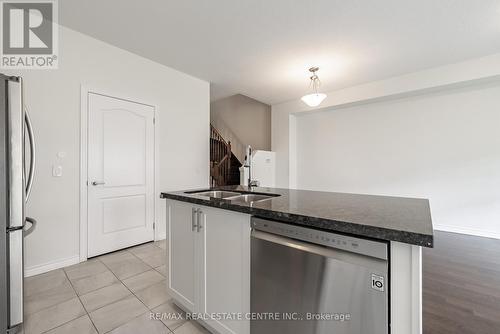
57 171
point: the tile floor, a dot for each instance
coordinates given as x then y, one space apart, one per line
114 293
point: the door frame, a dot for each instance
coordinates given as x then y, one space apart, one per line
84 112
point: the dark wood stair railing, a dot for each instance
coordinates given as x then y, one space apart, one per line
220 158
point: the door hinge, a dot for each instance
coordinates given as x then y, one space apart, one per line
154 120
154 225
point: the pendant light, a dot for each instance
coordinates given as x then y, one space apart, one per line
314 99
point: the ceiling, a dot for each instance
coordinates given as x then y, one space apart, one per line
263 48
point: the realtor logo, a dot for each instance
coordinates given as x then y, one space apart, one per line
29 34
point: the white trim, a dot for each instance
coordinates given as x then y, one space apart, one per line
292 151
406 288
83 171
416 289
158 235
468 231
45 267
84 92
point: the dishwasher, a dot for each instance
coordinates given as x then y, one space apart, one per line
308 281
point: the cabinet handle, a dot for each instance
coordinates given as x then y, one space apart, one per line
199 226
193 219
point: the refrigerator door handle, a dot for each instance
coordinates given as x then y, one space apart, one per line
30 230
31 138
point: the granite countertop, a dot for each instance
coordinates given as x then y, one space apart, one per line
406 220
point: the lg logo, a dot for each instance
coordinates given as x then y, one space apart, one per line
27 28
378 282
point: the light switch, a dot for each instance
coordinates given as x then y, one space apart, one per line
57 171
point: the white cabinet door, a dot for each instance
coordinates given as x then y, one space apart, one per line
120 174
209 266
226 268
181 254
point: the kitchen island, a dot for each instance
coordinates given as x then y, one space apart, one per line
210 254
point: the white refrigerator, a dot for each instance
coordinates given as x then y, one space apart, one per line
15 184
263 169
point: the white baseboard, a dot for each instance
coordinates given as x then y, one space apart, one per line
161 237
43 268
469 231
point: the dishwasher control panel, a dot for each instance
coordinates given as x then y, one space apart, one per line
351 244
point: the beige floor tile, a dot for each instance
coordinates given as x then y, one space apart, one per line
162 270
155 259
114 315
125 265
46 298
85 269
143 249
43 282
104 296
154 295
170 314
149 253
141 281
91 283
129 269
191 327
53 316
161 243
116 257
142 324
82 325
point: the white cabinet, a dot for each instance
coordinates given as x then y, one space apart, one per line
181 254
227 268
209 261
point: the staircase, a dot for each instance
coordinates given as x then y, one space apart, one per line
224 165
237 146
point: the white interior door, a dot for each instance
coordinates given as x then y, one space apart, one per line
120 174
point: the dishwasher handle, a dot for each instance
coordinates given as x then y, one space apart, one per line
323 251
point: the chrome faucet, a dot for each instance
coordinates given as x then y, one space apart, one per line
251 183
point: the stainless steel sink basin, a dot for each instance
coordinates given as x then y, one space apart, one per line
249 198
233 196
217 194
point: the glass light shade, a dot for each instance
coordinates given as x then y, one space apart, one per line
314 99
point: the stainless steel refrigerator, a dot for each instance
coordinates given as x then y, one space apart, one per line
17 161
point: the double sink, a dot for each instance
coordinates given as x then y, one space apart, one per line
234 197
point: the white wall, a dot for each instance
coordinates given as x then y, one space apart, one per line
53 98
466 73
441 146
427 134
248 119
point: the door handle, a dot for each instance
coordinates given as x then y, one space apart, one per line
194 216
199 226
31 138
96 183
33 223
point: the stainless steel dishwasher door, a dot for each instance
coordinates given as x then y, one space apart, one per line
292 279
